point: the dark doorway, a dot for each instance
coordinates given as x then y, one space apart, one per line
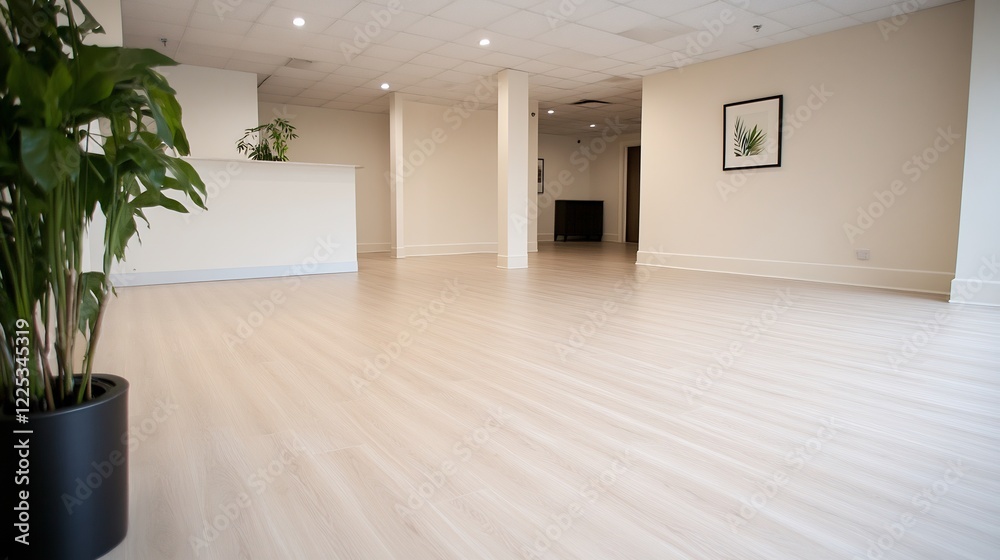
632 174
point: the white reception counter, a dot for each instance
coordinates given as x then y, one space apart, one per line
264 219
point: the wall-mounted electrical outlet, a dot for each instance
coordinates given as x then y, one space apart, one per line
863 254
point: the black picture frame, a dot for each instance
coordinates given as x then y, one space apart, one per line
541 175
751 133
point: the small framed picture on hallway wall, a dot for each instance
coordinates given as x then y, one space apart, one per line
751 133
541 175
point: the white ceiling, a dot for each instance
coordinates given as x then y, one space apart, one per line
429 49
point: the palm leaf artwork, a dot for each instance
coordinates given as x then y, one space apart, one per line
747 142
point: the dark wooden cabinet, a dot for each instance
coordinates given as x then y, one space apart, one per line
579 218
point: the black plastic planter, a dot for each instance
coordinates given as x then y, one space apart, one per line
75 461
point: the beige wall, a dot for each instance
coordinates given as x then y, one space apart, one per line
607 182
594 168
218 105
109 14
352 138
860 105
567 177
450 174
977 279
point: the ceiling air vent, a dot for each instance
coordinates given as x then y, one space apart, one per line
590 102
299 63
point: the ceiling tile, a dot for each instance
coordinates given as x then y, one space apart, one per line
478 69
851 7
199 58
457 77
766 6
559 12
282 19
416 70
524 25
266 87
425 7
359 72
502 60
308 101
455 50
253 67
662 9
639 53
596 64
477 13
617 19
535 66
373 63
260 58
585 39
276 37
284 81
655 31
159 12
208 38
342 105
715 13
438 28
437 61
334 9
390 53
828 26
412 42
156 30
804 14
231 26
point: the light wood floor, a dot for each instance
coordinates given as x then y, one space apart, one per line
582 408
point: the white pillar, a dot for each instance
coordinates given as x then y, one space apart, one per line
397 156
977 274
533 179
512 170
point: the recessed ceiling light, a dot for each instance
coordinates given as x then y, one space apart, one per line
298 22
552 111
593 126
385 86
484 42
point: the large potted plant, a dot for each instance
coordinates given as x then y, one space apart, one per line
85 136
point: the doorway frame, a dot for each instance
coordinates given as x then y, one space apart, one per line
626 143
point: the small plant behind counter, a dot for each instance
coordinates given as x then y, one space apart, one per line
84 138
267 142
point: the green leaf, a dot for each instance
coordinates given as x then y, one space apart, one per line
49 156
747 142
27 83
56 87
167 114
89 23
171 204
92 292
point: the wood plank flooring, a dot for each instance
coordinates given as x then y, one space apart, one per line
584 408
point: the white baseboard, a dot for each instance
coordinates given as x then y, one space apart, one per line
448 249
512 262
373 247
546 237
975 291
121 280
532 246
872 277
